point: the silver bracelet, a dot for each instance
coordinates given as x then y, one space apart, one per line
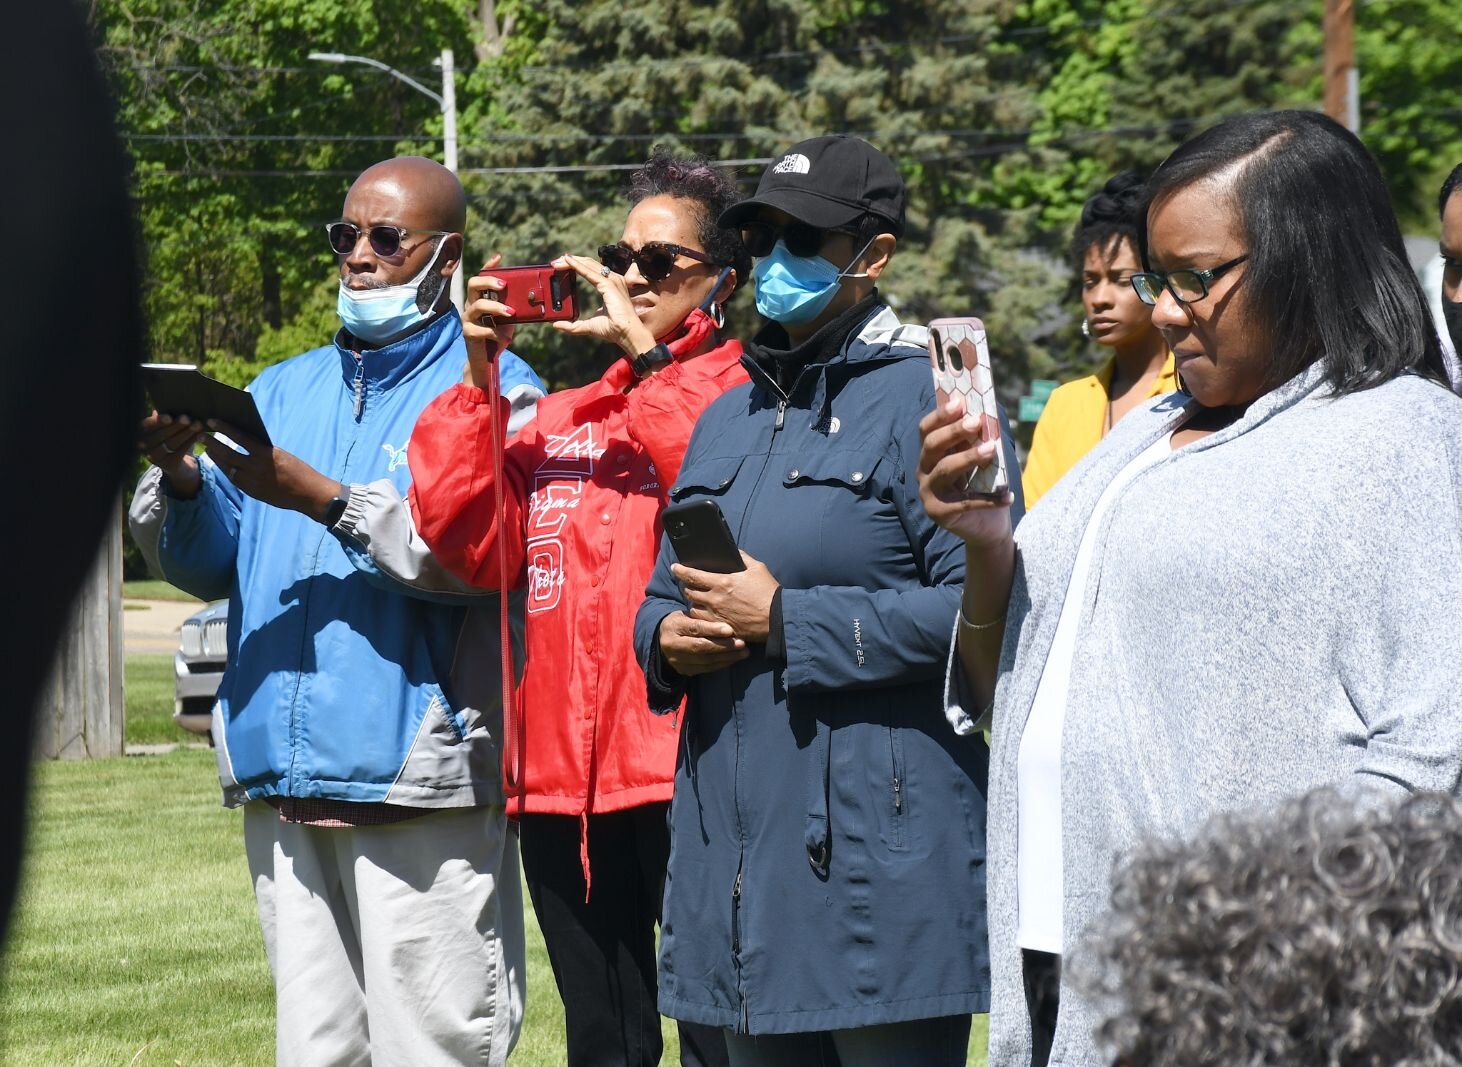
976 627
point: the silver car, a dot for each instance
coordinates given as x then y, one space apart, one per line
198 666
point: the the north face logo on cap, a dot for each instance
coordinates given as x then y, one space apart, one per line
794 163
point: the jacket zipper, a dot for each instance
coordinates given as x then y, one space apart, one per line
736 915
359 385
744 1025
894 763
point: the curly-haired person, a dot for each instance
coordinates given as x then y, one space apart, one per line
1081 413
1324 934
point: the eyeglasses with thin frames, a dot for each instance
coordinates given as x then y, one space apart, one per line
385 240
1188 286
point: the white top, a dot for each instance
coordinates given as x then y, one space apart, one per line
1038 769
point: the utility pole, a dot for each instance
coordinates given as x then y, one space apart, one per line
449 150
1342 80
446 100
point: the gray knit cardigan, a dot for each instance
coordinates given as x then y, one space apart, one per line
1274 607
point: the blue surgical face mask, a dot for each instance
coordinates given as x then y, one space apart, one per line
795 289
377 316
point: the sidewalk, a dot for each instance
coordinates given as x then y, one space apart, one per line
150 627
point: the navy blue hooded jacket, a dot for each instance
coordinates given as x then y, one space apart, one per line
827 828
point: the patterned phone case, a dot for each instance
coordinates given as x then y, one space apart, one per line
961 361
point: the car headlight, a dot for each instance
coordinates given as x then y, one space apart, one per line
190 641
215 639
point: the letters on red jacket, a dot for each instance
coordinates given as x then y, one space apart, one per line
586 481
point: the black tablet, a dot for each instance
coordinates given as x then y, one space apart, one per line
182 389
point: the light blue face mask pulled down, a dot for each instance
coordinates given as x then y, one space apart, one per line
795 289
377 316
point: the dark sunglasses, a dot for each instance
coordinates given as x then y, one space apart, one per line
802 240
1187 286
385 240
656 259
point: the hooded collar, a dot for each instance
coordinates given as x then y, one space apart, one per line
390 364
867 332
772 350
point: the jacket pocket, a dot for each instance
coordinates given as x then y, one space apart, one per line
852 470
453 718
898 791
849 527
706 477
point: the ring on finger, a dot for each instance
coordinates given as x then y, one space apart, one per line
605 272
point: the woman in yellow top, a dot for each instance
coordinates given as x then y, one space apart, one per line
1080 413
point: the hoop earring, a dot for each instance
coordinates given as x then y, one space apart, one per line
718 315
1085 328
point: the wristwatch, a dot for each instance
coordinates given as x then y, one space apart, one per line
335 510
647 362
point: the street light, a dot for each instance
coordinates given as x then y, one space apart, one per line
446 100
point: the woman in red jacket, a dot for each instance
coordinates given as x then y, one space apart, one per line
585 483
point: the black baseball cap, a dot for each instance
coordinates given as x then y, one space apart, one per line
827 182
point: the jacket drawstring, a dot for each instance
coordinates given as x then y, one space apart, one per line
584 850
821 405
818 834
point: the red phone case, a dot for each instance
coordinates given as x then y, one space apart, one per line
537 293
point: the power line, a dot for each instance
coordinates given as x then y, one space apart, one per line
1073 137
489 140
578 168
227 68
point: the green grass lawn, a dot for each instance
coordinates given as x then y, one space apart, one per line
151 589
135 942
149 683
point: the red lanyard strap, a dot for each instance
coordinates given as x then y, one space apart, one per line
512 727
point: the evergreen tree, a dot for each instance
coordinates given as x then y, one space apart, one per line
1003 115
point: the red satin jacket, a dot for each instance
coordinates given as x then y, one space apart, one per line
587 479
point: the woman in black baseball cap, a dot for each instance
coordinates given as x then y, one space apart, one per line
827 858
817 213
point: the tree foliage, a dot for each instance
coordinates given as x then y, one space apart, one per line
1004 115
243 147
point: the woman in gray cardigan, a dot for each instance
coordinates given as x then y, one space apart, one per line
1249 589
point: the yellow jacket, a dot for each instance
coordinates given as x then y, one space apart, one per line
1072 424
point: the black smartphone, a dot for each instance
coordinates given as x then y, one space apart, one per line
701 538
182 389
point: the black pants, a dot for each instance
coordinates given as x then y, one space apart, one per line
942 1042
1042 973
603 951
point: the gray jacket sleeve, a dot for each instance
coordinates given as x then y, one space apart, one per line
379 535
380 538
191 543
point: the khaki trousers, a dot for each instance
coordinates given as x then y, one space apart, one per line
392 946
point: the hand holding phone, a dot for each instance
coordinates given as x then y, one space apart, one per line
960 359
538 293
700 537
486 328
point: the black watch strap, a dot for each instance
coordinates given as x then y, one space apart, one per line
646 362
335 510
